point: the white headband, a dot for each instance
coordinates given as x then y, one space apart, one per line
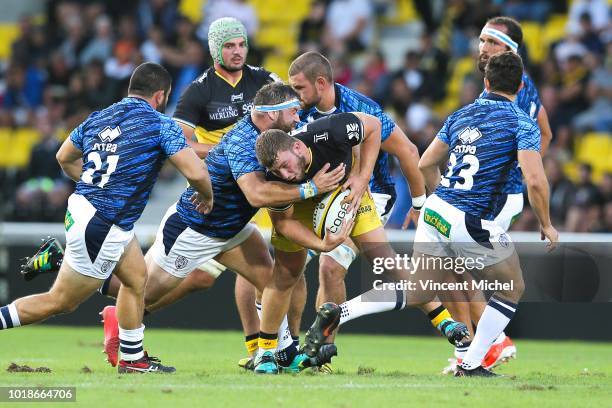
291 103
501 36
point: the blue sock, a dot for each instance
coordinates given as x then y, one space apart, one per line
296 341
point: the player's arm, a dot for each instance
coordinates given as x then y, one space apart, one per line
196 173
200 149
530 160
407 154
537 191
429 165
70 159
295 231
368 153
260 192
545 131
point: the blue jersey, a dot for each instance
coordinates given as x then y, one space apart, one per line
483 140
348 100
233 157
528 100
124 147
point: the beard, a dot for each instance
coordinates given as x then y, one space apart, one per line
284 126
161 108
234 68
482 62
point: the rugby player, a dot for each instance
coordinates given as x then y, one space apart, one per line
295 159
115 157
311 76
482 143
502 34
186 238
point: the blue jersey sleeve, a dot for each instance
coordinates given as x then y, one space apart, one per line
241 156
76 137
171 138
443 134
528 98
528 135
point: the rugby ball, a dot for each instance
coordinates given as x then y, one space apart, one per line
330 212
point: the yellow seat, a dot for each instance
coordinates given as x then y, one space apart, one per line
192 9
22 142
5 147
404 12
8 34
596 149
532 37
278 64
554 29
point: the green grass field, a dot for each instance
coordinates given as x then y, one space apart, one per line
374 371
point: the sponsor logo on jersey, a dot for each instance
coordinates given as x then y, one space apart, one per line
364 209
352 130
68 220
238 98
247 107
469 135
109 134
105 147
437 221
320 137
504 240
223 112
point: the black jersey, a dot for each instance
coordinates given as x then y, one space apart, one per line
331 140
212 105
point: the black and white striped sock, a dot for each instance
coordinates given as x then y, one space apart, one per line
130 343
493 321
9 317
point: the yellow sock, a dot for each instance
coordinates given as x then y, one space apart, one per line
250 342
439 315
268 341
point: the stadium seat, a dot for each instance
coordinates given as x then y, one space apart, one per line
192 9
403 12
5 147
595 149
8 34
532 37
22 141
554 29
279 64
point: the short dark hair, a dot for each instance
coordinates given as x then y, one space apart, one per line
269 143
504 72
149 78
274 93
312 65
513 27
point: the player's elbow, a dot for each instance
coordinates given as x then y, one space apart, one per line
535 182
255 198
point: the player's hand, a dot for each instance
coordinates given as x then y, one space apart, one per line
332 240
549 232
202 204
358 187
328 180
413 215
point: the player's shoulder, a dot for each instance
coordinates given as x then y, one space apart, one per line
352 100
204 77
244 128
260 73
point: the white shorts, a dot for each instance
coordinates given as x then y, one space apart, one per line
445 230
93 246
510 210
178 249
344 254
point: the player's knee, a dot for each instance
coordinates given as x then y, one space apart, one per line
199 280
331 272
62 303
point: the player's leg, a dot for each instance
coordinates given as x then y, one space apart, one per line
500 309
197 280
246 298
288 267
68 291
296 308
132 272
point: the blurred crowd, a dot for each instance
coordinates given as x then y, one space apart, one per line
81 57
